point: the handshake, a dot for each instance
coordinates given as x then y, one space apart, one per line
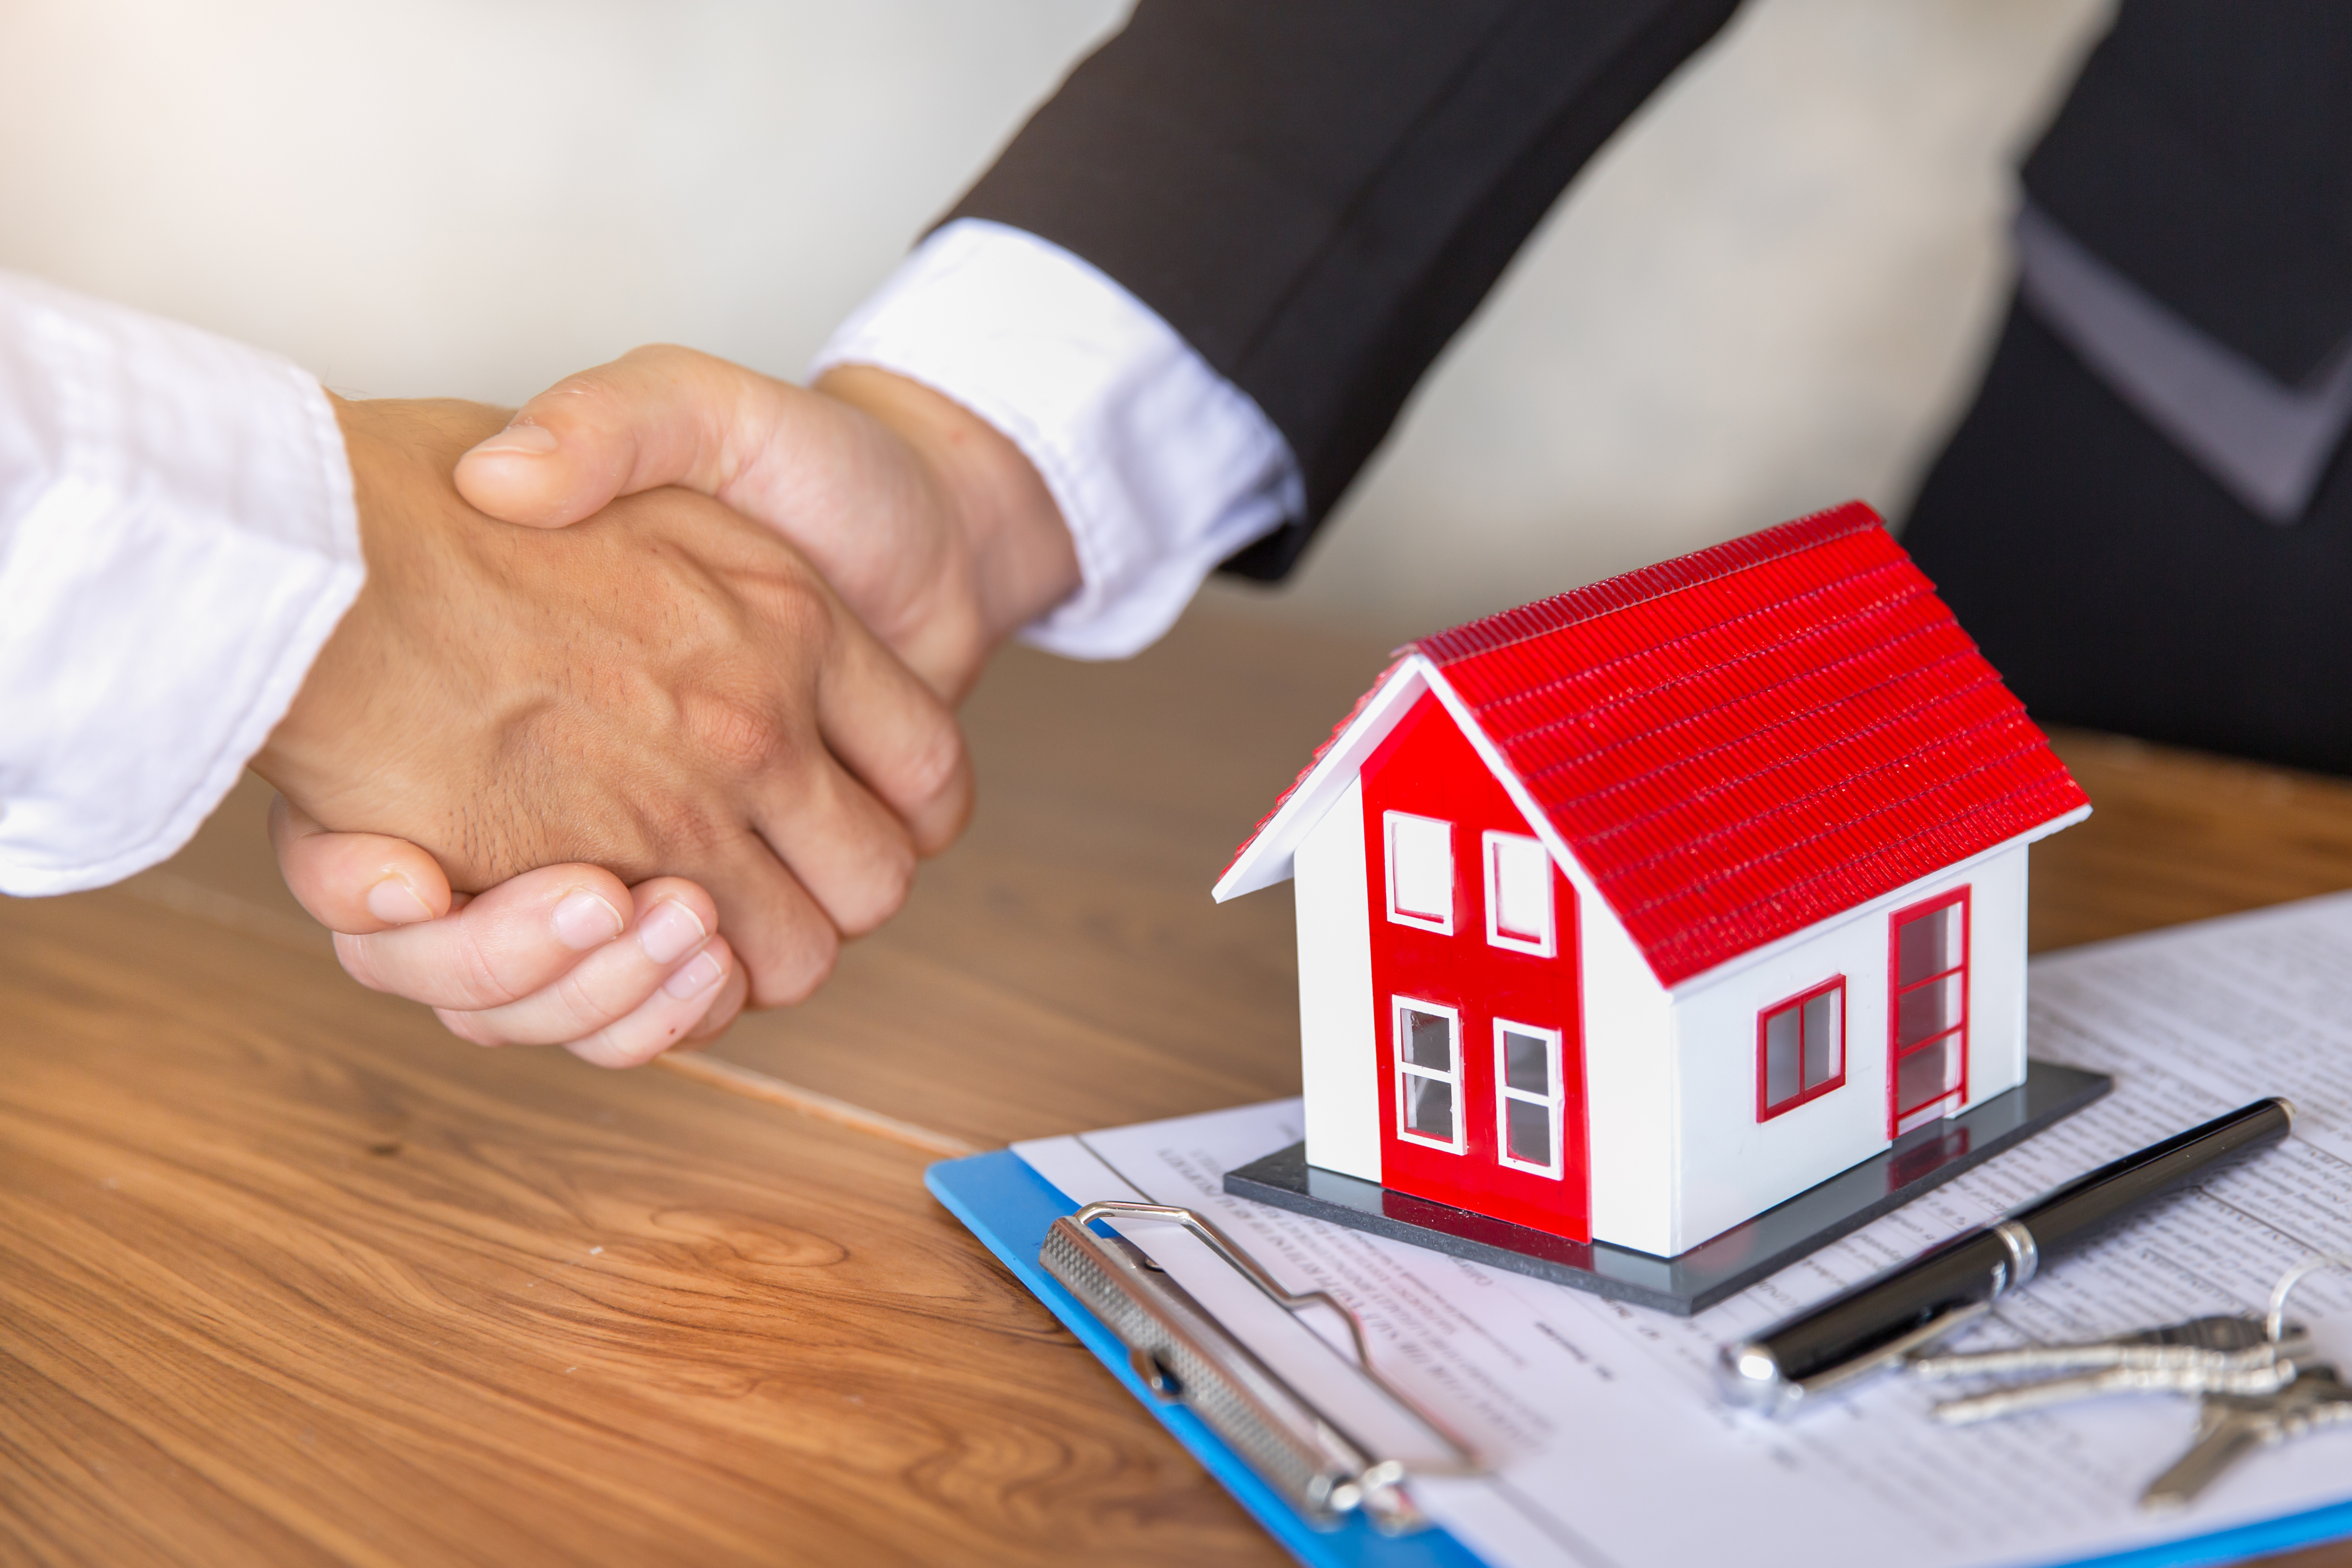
647 701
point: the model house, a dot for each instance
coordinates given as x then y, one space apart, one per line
1629 914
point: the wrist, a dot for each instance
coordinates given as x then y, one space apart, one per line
1016 558
398 453
298 759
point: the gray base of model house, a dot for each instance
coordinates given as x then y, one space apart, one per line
1923 1158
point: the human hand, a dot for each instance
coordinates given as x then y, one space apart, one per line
664 689
929 522
562 956
926 520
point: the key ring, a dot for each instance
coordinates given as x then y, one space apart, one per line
2275 1324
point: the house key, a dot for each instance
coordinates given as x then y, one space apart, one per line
2232 1426
2219 1355
2232 1339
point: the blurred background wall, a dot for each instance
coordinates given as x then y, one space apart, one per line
1770 293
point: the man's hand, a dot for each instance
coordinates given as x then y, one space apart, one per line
925 518
663 688
564 956
929 522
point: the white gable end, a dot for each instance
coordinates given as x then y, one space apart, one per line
1270 857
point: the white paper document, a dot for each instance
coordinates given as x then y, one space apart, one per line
1608 1443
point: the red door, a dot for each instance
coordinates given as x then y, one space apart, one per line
1928 1011
1481 1051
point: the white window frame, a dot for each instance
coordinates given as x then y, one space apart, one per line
1495 935
1388 857
1453 1017
1555 1102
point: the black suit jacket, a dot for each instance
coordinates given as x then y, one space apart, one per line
2205 152
1317 193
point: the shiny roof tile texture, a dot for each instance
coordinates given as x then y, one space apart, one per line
1743 742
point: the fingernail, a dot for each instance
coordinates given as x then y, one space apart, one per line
529 441
670 931
394 902
584 921
698 974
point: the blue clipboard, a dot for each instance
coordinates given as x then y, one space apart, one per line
1010 1207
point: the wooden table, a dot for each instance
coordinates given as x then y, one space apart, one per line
288 1275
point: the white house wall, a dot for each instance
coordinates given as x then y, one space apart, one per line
1632 1138
1734 1166
1338 1045
1997 973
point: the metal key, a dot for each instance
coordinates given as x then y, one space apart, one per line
2230 1427
2249 1381
2229 1342
2220 1355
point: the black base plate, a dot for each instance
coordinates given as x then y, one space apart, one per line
1923 1158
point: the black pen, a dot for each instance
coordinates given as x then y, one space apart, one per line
1884 1319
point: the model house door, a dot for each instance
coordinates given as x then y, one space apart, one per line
1928 1011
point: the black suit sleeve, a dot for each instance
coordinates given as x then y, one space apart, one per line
1317 193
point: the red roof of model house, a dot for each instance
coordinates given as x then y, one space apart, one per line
1743 742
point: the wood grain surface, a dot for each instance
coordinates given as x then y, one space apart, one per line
286 1275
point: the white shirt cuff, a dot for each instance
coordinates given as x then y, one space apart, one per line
1161 467
177 540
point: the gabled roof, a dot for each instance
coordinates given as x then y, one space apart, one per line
1735 745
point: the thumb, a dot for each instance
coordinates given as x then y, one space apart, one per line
355 883
657 415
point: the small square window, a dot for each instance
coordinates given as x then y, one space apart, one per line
1530 1127
1421 871
1800 1049
1529 1098
1519 893
1429 1106
1429 1040
1428 1073
1527 1061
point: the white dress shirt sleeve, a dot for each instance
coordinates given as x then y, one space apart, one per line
1162 466
177 540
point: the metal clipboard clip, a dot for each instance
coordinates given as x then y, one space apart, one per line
1183 1354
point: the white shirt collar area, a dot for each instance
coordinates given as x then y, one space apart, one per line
177 540
1161 467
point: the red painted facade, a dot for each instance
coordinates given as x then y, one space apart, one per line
1427 768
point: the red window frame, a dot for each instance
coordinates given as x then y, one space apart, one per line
1767 1110
1895 1050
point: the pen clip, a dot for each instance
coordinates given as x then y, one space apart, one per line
1181 1353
